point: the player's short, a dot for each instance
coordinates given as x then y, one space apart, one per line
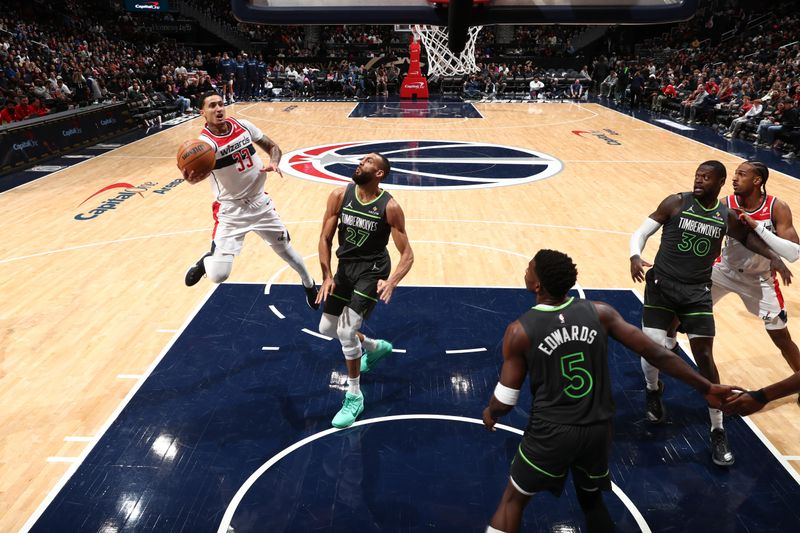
664 299
759 292
357 286
214 211
236 218
548 451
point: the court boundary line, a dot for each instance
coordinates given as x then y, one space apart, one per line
752 425
456 121
182 232
250 481
56 489
659 128
268 286
99 243
460 119
98 156
61 483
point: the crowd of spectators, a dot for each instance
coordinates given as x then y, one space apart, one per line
57 56
713 69
746 86
543 40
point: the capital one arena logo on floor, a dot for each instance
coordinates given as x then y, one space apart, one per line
114 195
437 164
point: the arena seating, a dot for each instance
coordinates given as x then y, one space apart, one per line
78 53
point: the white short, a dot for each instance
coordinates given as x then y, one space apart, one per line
760 293
236 218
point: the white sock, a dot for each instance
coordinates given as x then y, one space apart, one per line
354 385
650 375
670 342
369 345
490 529
716 418
295 260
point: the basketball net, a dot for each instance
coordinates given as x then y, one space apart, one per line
441 60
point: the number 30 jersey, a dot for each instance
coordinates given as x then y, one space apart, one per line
237 172
363 229
568 363
691 242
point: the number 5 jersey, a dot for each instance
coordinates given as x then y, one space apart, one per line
568 363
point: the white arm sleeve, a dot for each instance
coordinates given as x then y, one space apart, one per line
640 236
786 249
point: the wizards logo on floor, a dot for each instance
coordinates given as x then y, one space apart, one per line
425 164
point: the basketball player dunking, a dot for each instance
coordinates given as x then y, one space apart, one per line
241 205
366 215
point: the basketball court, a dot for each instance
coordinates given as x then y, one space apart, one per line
134 403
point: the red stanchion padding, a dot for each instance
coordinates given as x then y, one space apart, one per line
414 85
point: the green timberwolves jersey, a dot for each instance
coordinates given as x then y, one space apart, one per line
363 230
568 363
691 242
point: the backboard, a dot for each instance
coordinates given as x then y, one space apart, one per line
305 12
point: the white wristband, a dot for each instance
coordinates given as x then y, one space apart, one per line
505 394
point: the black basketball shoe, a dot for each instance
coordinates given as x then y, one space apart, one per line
311 295
720 450
196 272
655 404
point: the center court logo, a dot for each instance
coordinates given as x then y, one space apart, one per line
439 164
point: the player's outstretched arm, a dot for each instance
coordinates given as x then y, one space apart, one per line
782 216
397 220
742 233
749 402
512 375
785 241
274 151
326 242
634 339
666 209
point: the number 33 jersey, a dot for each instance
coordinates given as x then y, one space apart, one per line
237 172
568 363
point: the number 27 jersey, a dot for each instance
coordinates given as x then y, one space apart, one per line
363 228
237 172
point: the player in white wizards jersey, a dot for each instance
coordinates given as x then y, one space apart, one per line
748 274
240 203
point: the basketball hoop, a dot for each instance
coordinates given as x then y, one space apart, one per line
441 60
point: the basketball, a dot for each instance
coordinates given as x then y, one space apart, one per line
195 155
